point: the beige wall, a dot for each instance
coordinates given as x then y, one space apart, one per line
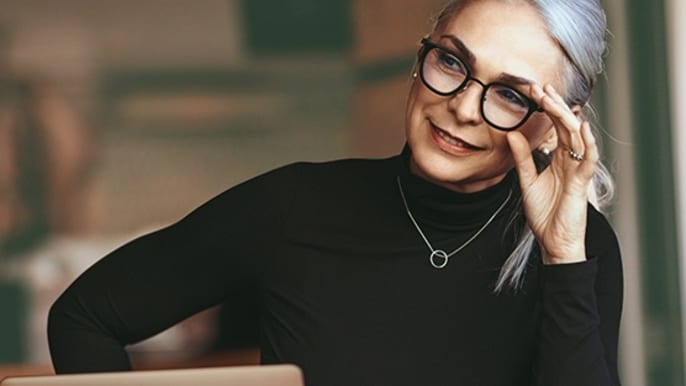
385 31
66 35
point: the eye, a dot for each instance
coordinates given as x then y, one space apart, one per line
511 97
449 62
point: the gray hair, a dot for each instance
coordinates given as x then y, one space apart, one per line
579 27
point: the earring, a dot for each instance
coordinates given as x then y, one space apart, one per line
546 152
414 75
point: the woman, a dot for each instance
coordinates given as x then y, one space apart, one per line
420 269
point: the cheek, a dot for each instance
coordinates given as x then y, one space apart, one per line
409 107
501 146
416 101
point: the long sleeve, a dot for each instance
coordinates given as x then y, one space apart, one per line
162 278
581 309
345 290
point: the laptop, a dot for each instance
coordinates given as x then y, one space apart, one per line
266 375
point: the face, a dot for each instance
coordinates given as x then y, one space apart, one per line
451 143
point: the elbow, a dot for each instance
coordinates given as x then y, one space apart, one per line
59 325
57 319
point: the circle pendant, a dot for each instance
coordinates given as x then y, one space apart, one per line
438 259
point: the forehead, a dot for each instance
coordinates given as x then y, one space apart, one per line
505 37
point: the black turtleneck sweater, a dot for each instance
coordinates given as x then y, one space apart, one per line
344 286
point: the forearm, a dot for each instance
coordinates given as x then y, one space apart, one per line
137 291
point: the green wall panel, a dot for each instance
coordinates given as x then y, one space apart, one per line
275 26
13 322
655 187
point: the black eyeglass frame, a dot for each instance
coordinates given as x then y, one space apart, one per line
428 45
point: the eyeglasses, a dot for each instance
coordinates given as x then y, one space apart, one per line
502 106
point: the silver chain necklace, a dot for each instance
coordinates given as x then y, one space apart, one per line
438 257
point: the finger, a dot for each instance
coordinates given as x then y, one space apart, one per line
523 160
552 92
563 111
591 155
565 121
548 98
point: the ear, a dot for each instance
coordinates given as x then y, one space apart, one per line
549 142
576 109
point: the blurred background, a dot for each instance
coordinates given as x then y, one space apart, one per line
119 117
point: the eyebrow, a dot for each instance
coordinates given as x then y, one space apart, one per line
517 80
461 47
471 58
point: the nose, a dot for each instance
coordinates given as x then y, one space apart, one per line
466 103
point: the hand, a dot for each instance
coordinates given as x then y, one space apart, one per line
556 200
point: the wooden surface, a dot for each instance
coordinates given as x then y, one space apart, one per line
248 356
16 370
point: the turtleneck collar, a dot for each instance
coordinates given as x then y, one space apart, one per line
440 207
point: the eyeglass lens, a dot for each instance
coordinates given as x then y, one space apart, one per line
502 106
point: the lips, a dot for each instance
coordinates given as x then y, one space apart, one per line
455 144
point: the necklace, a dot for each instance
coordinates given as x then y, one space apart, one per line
438 257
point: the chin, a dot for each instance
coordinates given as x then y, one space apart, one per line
465 175
436 168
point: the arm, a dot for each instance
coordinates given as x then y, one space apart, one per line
581 275
159 279
581 309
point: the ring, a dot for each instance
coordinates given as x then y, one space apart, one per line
574 155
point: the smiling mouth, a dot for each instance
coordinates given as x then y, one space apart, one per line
454 141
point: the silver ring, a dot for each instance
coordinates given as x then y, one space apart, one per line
440 254
574 155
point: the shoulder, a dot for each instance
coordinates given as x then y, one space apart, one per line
332 173
346 166
305 179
